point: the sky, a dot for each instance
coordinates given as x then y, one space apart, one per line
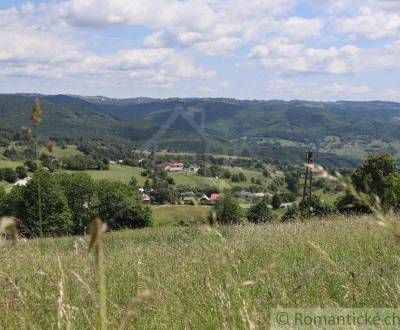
321 50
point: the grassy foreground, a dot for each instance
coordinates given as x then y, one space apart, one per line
200 277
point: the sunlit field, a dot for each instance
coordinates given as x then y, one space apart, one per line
200 277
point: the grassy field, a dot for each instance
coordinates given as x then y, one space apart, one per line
119 173
125 173
70 150
10 163
200 277
167 215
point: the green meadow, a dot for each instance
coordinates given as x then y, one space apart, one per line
200 277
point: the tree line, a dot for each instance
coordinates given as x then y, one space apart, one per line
62 203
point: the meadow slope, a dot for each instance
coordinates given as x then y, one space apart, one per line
200 277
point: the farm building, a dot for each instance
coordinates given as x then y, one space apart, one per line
188 200
193 168
22 182
204 200
214 198
146 199
171 167
285 205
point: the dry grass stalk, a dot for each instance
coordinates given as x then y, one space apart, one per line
97 229
36 113
50 147
8 227
131 315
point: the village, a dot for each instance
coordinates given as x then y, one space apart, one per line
190 197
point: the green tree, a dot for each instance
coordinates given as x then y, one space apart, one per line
120 206
376 176
79 189
227 210
292 180
24 202
260 212
276 201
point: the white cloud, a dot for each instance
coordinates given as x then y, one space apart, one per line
36 44
212 27
288 89
219 88
369 23
346 89
299 28
281 54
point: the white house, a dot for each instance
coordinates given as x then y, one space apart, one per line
193 168
22 182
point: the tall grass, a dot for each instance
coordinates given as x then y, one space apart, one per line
201 278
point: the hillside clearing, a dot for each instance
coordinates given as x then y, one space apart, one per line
201 278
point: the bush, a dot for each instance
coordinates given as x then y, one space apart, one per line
21 172
350 204
8 174
316 207
3 200
31 165
290 214
227 210
260 212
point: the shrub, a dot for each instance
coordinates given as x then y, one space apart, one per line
3 200
260 212
350 204
316 207
21 172
290 214
31 165
8 174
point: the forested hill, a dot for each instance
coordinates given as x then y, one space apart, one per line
345 130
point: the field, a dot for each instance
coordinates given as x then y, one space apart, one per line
9 163
200 277
164 215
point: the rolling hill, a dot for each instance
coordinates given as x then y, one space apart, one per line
342 132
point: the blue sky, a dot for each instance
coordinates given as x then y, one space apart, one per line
248 49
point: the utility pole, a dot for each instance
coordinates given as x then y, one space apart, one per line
307 190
